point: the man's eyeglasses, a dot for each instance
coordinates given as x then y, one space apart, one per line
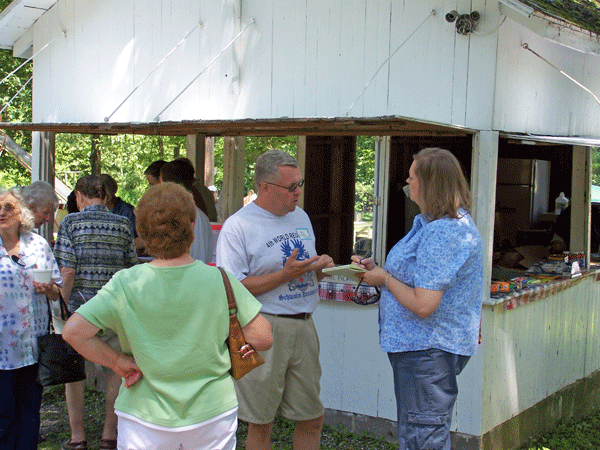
290 188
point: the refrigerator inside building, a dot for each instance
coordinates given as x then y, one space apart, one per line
522 194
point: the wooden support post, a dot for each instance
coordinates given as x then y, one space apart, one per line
209 161
195 151
336 205
42 168
383 146
483 189
470 404
232 194
581 201
95 156
301 157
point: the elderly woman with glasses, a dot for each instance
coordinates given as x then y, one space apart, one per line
23 317
172 319
430 309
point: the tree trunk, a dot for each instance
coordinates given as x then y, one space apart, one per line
95 156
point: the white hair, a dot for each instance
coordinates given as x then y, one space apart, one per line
40 195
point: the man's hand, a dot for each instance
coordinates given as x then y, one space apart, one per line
294 268
321 263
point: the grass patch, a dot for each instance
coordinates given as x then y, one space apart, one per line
55 427
574 434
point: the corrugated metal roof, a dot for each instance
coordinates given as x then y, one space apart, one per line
18 17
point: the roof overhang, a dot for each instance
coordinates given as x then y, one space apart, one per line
549 27
375 126
533 139
16 22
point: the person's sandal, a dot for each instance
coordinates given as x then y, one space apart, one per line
68 445
108 444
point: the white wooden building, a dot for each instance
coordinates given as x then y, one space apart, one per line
327 71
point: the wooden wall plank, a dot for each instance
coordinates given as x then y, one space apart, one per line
534 97
289 28
335 50
535 350
256 96
324 19
374 70
581 180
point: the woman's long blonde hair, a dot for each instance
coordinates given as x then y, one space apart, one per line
442 184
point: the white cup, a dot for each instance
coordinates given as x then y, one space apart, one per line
42 275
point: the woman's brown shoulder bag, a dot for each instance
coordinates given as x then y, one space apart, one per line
243 357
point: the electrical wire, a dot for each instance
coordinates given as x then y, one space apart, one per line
432 13
33 56
526 47
106 119
16 95
488 32
157 118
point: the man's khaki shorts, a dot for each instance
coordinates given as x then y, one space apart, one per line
289 381
111 338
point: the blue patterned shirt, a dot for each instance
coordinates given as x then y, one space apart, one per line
441 255
23 313
97 244
122 208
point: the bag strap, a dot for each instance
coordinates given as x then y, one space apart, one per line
50 325
64 312
228 290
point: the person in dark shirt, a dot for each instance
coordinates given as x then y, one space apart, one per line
153 172
120 207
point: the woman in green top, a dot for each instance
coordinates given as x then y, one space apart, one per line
172 320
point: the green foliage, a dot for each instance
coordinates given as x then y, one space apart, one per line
255 146
19 110
585 13
12 173
596 166
365 174
124 157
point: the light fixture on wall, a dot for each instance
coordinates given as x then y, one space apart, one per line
465 23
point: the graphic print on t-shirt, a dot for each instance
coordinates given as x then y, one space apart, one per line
303 282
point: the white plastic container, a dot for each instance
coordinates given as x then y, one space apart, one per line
42 275
561 203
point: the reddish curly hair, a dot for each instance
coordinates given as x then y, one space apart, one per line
165 219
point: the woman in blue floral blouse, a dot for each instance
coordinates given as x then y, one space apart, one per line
429 312
23 317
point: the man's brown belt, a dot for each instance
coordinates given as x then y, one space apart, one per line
301 316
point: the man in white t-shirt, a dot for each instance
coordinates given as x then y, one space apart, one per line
270 247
